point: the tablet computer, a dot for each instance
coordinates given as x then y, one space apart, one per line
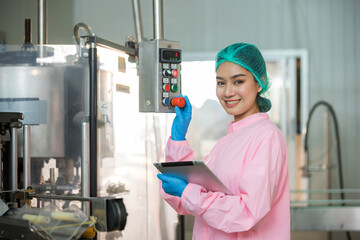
194 172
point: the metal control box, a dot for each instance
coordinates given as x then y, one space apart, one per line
159 75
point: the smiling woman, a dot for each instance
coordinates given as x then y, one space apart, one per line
249 57
251 160
237 90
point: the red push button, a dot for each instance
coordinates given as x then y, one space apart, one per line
178 101
166 87
174 73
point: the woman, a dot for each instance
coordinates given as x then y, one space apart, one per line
250 160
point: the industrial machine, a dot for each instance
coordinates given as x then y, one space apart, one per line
45 118
57 124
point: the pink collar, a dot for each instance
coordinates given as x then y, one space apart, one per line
234 126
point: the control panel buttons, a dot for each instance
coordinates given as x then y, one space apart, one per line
159 71
174 88
174 73
170 73
166 73
178 101
166 87
170 78
166 102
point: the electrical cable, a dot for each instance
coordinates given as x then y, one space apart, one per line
337 137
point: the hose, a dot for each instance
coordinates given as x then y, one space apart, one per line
337 136
76 29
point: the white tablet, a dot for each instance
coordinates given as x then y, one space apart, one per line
193 172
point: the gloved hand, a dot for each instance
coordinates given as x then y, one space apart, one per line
181 121
172 185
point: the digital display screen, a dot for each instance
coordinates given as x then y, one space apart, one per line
170 55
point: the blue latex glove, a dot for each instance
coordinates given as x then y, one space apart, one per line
181 121
172 185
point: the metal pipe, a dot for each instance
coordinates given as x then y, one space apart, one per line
42 27
327 158
79 26
85 167
327 162
28 32
93 118
85 170
14 162
1 168
52 176
42 22
137 20
327 191
158 19
27 157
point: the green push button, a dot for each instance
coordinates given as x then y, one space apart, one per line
174 87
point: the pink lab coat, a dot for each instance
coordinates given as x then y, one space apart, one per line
251 160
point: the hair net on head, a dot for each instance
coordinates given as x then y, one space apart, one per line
249 57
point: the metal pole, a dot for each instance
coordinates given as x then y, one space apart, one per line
14 162
52 176
93 119
327 158
42 26
138 21
158 19
42 22
1 166
85 167
327 150
28 32
27 158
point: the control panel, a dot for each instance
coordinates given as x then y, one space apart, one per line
159 76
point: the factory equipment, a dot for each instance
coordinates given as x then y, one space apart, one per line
159 65
57 132
48 99
51 222
160 80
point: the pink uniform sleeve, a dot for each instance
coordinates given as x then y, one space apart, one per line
177 151
257 187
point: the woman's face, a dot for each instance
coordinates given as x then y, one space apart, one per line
236 90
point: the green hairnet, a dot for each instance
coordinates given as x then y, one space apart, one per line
249 57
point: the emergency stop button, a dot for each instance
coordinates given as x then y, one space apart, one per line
178 101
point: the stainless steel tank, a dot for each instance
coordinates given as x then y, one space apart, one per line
61 85
61 88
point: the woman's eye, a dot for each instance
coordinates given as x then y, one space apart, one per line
239 81
220 83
